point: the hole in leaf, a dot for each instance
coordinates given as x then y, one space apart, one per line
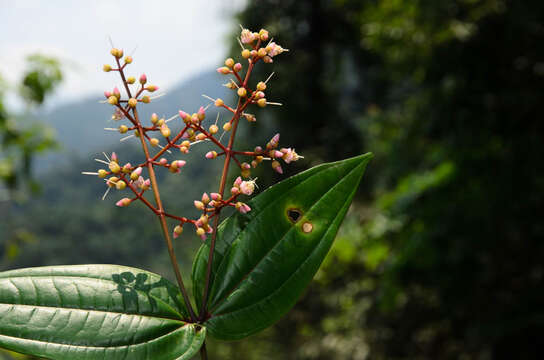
294 215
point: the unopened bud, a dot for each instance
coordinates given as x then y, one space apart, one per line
152 88
223 70
106 68
123 202
143 79
261 102
234 190
219 102
229 62
201 113
128 59
261 52
211 154
201 136
277 167
123 129
146 99
102 173
245 53
163 161
114 167
112 100
165 130
237 67
199 205
120 185
261 86
205 198
154 118
242 92
216 196
132 102
200 232
227 126
213 129
177 231
131 80
136 174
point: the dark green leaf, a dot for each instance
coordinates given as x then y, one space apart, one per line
94 312
265 259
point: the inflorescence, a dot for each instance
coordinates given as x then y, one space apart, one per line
256 47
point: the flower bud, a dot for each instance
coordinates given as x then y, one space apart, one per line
277 167
205 198
136 174
112 181
126 168
146 99
177 231
200 232
114 167
152 88
123 129
120 185
102 173
245 53
216 196
263 34
261 52
107 94
213 129
219 102
242 92
201 113
132 102
211 154
143 79
234 190
261 102
237 67
106 68
112 100
128 59
163 161
131 80
229 62
246 173
199 205
123 202
238 181
261 86
165 130
227 126
223 70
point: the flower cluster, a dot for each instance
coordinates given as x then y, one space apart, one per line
157 134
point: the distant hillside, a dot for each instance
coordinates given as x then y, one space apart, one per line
79 125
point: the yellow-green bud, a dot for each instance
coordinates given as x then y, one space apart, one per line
213 129
229 62
102 173
261 52
219 102
131 80
146 99
106 68
261 102
227 126
154 118
120 185
132 102
261 86
154 142
200 231
112 181
128 59
123 129
246 53
242 92
114 167
112 100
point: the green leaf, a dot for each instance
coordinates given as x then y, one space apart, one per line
89 312
263 260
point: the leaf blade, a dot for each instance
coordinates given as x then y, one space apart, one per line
262 265
94 312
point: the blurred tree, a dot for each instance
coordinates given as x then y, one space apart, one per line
442 256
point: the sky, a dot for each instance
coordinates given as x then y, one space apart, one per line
169 40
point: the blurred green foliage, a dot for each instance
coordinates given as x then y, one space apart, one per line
441 257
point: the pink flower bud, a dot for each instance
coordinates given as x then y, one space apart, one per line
136 173
152 88
258 149
143 79
237 67
211 155
183 114
107 94
234 190
205 198
123 202
113 156
238 181
277 154
277 167
275 139
163 161
146 185
242 208
215 196
199 205
116 92
245 166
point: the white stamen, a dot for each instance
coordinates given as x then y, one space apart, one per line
234 83
221 136
172 118
111 129
102 161
207 106
274 103
106 193
216 118
89 173
106 156
269 77
157 96
240 42
126 137
207 97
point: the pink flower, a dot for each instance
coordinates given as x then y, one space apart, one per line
247 187
289 155
246 36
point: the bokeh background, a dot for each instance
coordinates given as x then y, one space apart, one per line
441 254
